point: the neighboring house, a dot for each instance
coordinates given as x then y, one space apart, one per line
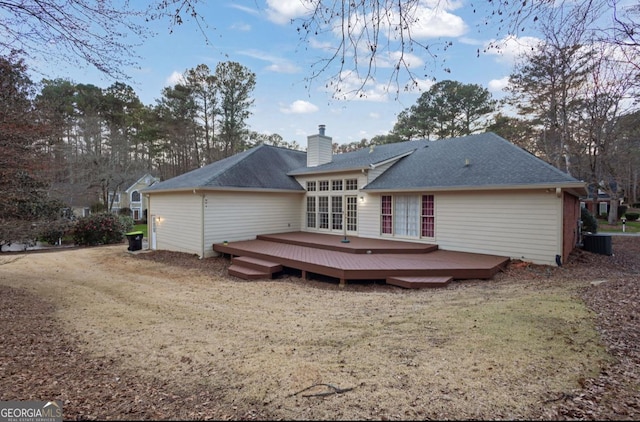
477 193
77 197
597 201
131 197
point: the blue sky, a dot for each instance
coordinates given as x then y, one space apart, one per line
259 35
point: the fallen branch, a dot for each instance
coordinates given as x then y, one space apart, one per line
7 260
335 390
563 396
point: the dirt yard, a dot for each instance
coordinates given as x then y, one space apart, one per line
163 335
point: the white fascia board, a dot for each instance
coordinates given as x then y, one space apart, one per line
221 189
566 186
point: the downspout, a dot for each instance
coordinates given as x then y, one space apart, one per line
195 192
560 230
149 226
202 200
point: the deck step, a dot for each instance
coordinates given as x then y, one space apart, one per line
419 282
257 264
247 273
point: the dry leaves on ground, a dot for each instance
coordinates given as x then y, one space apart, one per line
41 359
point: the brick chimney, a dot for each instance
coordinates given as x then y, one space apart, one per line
319 148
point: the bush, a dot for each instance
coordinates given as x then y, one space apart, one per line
124 211
55 231
622 209
603 216
636 205
98 207
589 222
632 216
127 223
97 229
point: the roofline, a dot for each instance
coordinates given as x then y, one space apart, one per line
574 187
388 160
249 152
342 170
157 179
370 166
196 190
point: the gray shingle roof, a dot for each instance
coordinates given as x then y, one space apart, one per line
361 158
493 161
262 167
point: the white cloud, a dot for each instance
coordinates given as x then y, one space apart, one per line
511 47
471 41
437 22
321 45
498 85
411 60
419 85
283 67
351 87
277 64
175 78
299 107
249 10
244 27
425 19
282 11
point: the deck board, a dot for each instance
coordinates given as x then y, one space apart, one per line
419 282
357 245
430 262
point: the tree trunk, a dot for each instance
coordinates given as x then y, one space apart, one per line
613 211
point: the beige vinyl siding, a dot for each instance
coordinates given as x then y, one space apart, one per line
179 222
234 216
520 225
523 225
373 174
369 216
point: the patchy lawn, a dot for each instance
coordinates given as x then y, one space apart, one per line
168 336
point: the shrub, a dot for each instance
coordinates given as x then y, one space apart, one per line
96 229
603 216
124 211
622 209
632 216
636 205
97 208
589 222
127 223
55 231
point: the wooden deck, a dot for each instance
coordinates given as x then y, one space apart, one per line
414 264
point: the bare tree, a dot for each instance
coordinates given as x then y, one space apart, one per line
376 33
359 36
100 33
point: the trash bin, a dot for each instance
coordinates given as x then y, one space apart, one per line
135 240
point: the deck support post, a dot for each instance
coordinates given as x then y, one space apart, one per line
304 275
343 282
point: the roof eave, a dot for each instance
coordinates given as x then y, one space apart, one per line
204 189
341 170
574 188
